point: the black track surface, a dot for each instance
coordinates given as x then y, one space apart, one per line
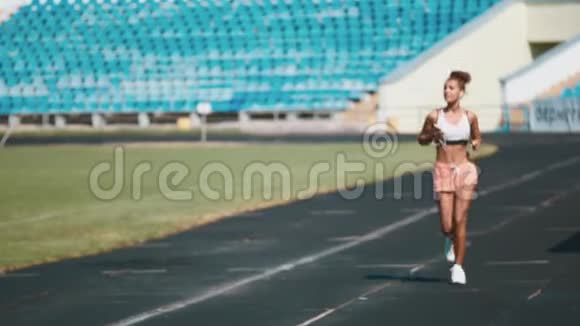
523 261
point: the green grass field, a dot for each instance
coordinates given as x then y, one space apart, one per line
48 211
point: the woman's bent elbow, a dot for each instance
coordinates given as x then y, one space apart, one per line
421 140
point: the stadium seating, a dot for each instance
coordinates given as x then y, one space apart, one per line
571 92
72 56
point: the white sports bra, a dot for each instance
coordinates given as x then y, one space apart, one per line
460 131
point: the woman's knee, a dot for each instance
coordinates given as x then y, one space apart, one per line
460 223
447 228
460 215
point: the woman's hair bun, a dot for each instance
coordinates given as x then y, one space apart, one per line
463 76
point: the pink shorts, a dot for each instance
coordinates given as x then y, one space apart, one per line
449 177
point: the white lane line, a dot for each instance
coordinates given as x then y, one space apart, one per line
387 266
561 194
133 272
463 290
19 275
564 229
514 182
528 208
540 281
333 212
344 239
224 288
316 318
171 307
416 269
497 226
362 297
562 164
409 210
535 294
244 269
517 262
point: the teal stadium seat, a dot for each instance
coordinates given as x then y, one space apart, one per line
577 90
571 92
146 55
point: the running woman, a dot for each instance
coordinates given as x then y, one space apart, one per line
455 177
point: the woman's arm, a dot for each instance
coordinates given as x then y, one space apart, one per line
429 132
475 133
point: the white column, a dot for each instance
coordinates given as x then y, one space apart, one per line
144 120
13 121
194 120
97 120
59 121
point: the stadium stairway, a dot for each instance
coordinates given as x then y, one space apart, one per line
363 111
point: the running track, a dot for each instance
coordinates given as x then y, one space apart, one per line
332 261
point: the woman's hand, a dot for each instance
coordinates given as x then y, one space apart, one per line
436 133
430 132
475 133
475 143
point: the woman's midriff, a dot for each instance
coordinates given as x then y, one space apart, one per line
452 154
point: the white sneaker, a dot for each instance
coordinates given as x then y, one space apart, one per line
457 274
449 250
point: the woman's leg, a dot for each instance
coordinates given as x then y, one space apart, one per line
445 202
462 203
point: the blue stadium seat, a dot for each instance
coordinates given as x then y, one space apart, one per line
145 56
567 93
